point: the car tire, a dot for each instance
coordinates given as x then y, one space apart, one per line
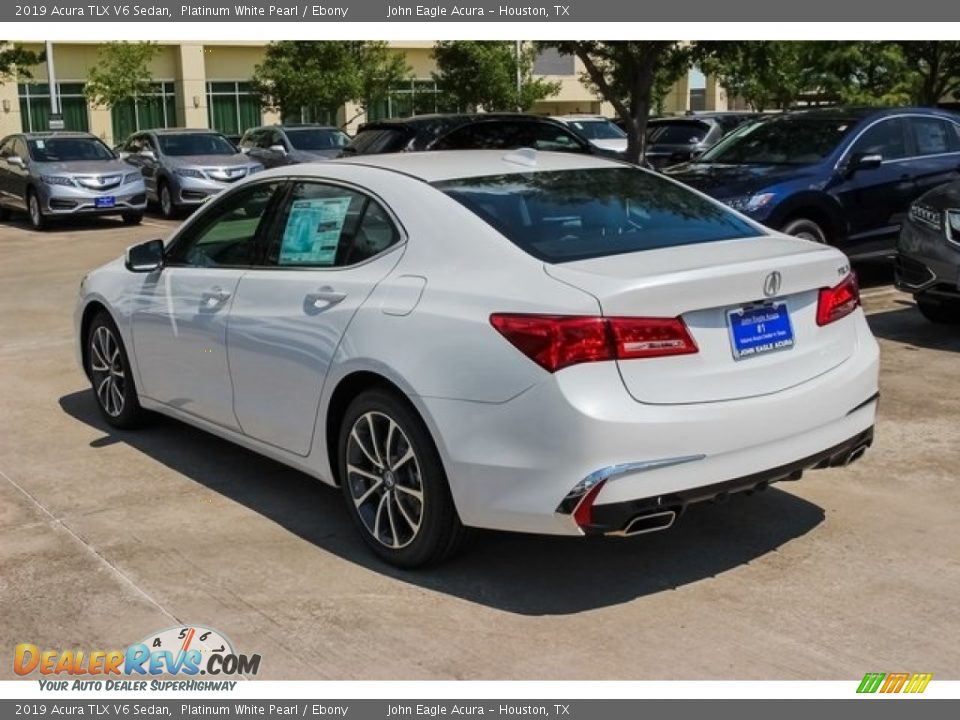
941 312
111 377
394 483
38 221
132 218
168 208
4 213
806 229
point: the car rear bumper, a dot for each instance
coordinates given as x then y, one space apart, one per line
511 465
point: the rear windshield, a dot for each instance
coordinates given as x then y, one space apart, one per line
378 140
597 129
562 216
186 144
68 150
678 133
317 139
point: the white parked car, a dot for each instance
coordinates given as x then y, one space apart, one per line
549 343
597 130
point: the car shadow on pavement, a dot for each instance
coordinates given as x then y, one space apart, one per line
524 574
906 325
67 225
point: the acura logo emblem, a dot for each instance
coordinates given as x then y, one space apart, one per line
771 286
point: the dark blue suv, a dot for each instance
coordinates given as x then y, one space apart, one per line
843 176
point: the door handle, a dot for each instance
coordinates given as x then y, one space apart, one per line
323 298
215 297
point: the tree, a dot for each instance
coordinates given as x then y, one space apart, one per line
625 73
324 75
483 74
858 73
935 67
16 61
122 73
766 73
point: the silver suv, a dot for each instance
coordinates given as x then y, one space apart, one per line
183 168
49 174
276 145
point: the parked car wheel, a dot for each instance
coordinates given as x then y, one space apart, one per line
394 482
942 312
37 219
806 229
167 207
133 218
109 371
4 213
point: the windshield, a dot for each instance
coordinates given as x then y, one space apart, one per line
68 149
317 139
184 144
597 129
788 140
678 133
562 216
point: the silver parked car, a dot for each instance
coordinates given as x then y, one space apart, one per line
50 174
276 145
183 168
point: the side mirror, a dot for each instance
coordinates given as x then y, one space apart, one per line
870 161
244 149
145 257
123 154
148 154
279 149
16 161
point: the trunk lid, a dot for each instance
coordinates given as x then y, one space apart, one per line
702 284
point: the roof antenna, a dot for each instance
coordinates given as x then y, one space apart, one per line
522 156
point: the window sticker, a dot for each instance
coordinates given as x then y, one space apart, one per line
313 231
40 144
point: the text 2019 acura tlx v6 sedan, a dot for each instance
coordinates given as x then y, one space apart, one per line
527 341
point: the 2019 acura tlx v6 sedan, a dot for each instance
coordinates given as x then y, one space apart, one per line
525 341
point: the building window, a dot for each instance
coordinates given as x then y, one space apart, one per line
35 106
232 108
155 109
309 115
697 88
411 97
551 62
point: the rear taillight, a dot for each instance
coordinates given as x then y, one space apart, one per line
838 301
558 341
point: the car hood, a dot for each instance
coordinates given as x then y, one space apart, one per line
615 144
945 197
727 181
82 167
239 159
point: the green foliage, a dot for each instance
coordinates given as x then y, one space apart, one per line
15 61
767 74
483 74
630 75
122 72
934 70
324 75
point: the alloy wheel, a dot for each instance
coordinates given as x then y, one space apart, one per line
106 366
166 201
35 217
384 480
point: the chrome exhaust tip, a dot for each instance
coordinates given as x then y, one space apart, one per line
855 454
651 522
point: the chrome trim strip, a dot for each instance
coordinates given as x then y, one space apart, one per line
572 499
899 116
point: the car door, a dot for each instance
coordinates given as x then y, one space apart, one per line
330 247
874 200
179 314
18 177
6 150
936 151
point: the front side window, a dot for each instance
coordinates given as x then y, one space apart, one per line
317 139
562 216
68 149
885 138
227 234
326 226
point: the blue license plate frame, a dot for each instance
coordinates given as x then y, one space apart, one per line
760 329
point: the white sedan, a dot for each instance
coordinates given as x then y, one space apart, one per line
537 342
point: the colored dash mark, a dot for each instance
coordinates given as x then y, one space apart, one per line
894 682
187 640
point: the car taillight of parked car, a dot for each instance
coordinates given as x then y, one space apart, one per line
558 341
839 301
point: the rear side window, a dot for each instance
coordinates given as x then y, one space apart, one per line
563 216
933 136
378 140
680 133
